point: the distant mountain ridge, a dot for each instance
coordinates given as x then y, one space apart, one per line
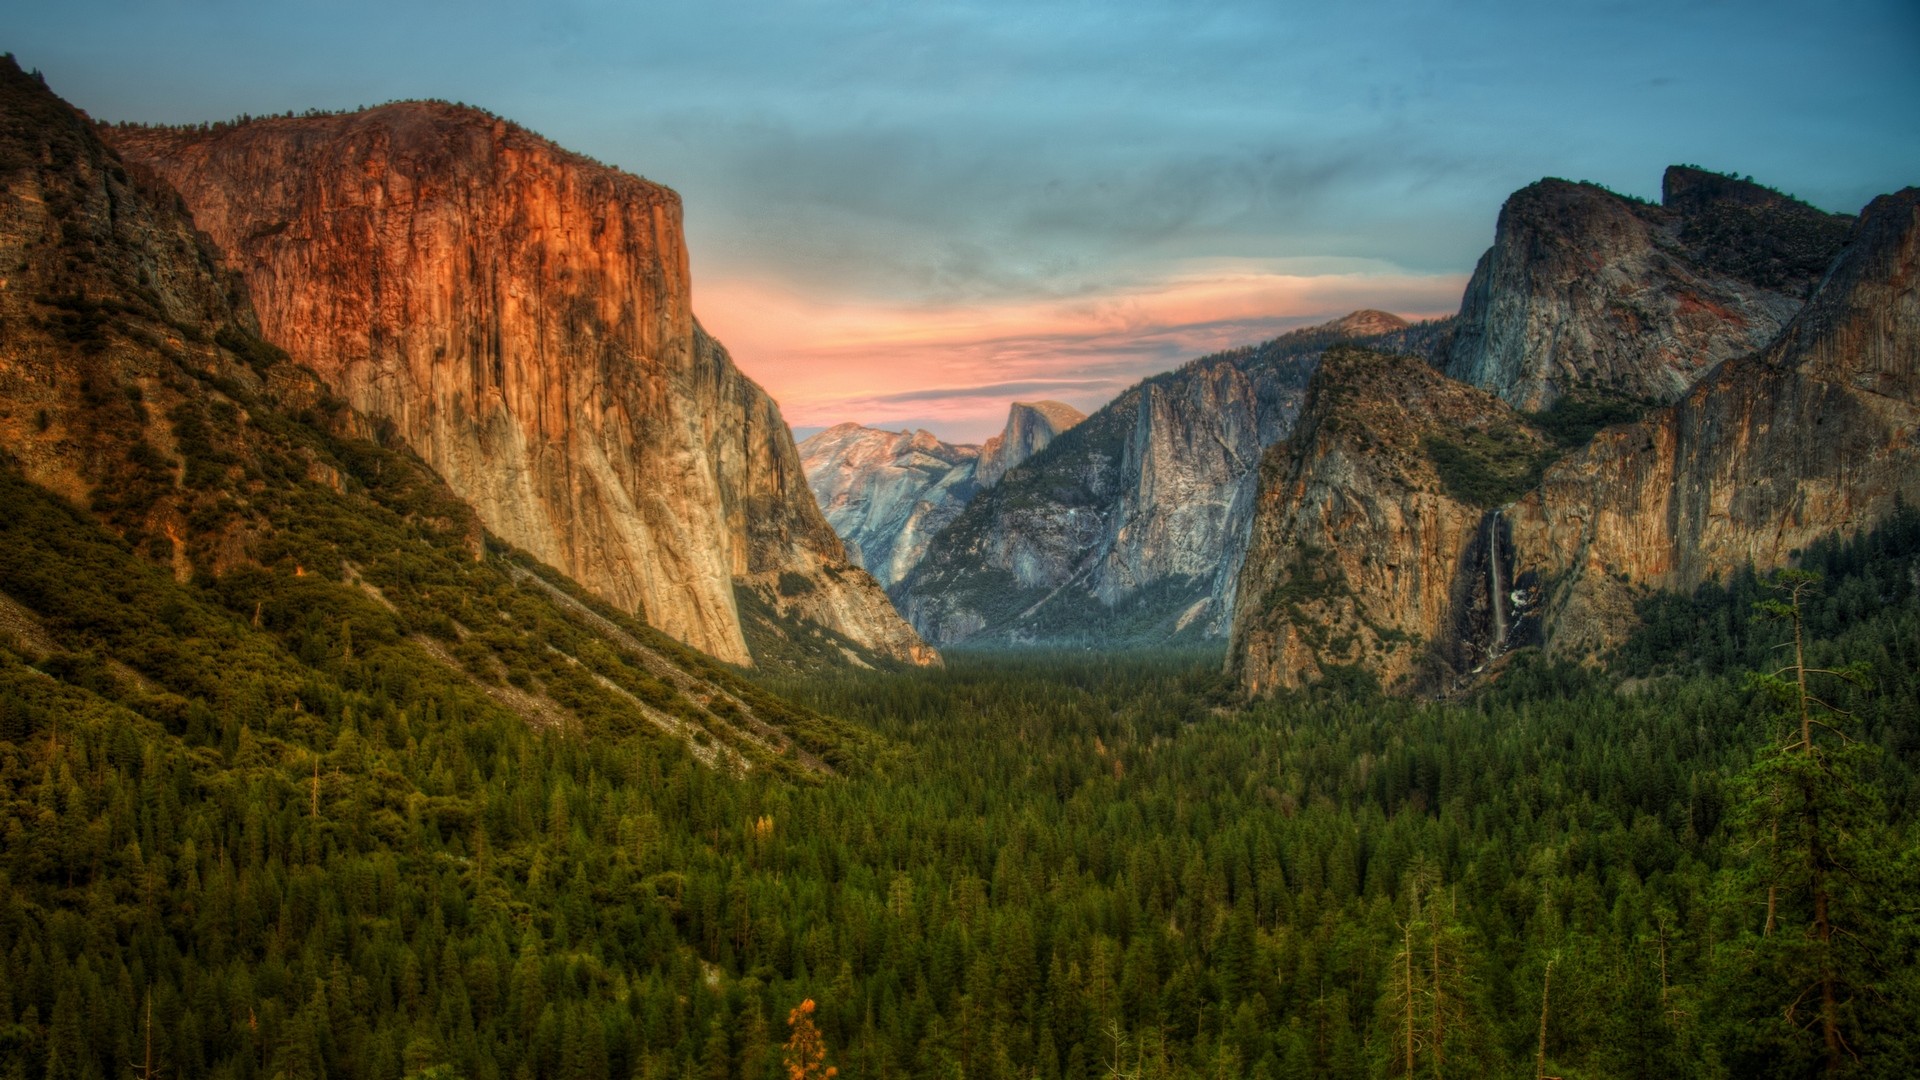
1129 528
889 493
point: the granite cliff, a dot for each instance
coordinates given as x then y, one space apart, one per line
1605 298
1424 568
1130 527
1764 454
198 532
889 493
1372 527
1031 427
521 317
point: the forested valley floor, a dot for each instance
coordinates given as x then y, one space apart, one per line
1054 866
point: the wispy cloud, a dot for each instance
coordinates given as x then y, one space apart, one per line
888 199
955 368
993 391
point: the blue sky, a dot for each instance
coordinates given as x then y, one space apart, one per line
899 210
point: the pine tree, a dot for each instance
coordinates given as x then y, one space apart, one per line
1813 819
806 1051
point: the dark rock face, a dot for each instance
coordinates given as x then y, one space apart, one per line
1130 528
1752 233
114 318
520 316
1589 294
1358 546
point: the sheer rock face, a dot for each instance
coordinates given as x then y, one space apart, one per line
1587 292
888 492
1130 527
1031 427
1358 554
521 316
1762 456
1354 545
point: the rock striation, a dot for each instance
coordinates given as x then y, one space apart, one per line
889 493
1425 569
1588 293
1130 527
521 317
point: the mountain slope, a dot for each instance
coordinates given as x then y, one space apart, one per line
1765 454
520 316
200 536
1129 528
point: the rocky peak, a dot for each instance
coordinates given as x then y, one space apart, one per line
1763 456
1358 551
1366 323
1752 233
887 492
1031 425
1589 294
1689 189
520 315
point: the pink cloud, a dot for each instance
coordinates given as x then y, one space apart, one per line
955 368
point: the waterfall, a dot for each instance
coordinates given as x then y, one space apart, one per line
1496 590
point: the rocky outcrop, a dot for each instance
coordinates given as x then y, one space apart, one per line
1129 528
1371 539
520 315
1031 426
1426 569
887 493
1765 454
1591 294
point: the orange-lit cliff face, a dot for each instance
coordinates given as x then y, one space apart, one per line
522 316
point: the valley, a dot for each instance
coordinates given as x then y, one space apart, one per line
425 653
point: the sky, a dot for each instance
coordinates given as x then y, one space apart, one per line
911 214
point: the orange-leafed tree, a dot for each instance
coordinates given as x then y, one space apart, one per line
806 1051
